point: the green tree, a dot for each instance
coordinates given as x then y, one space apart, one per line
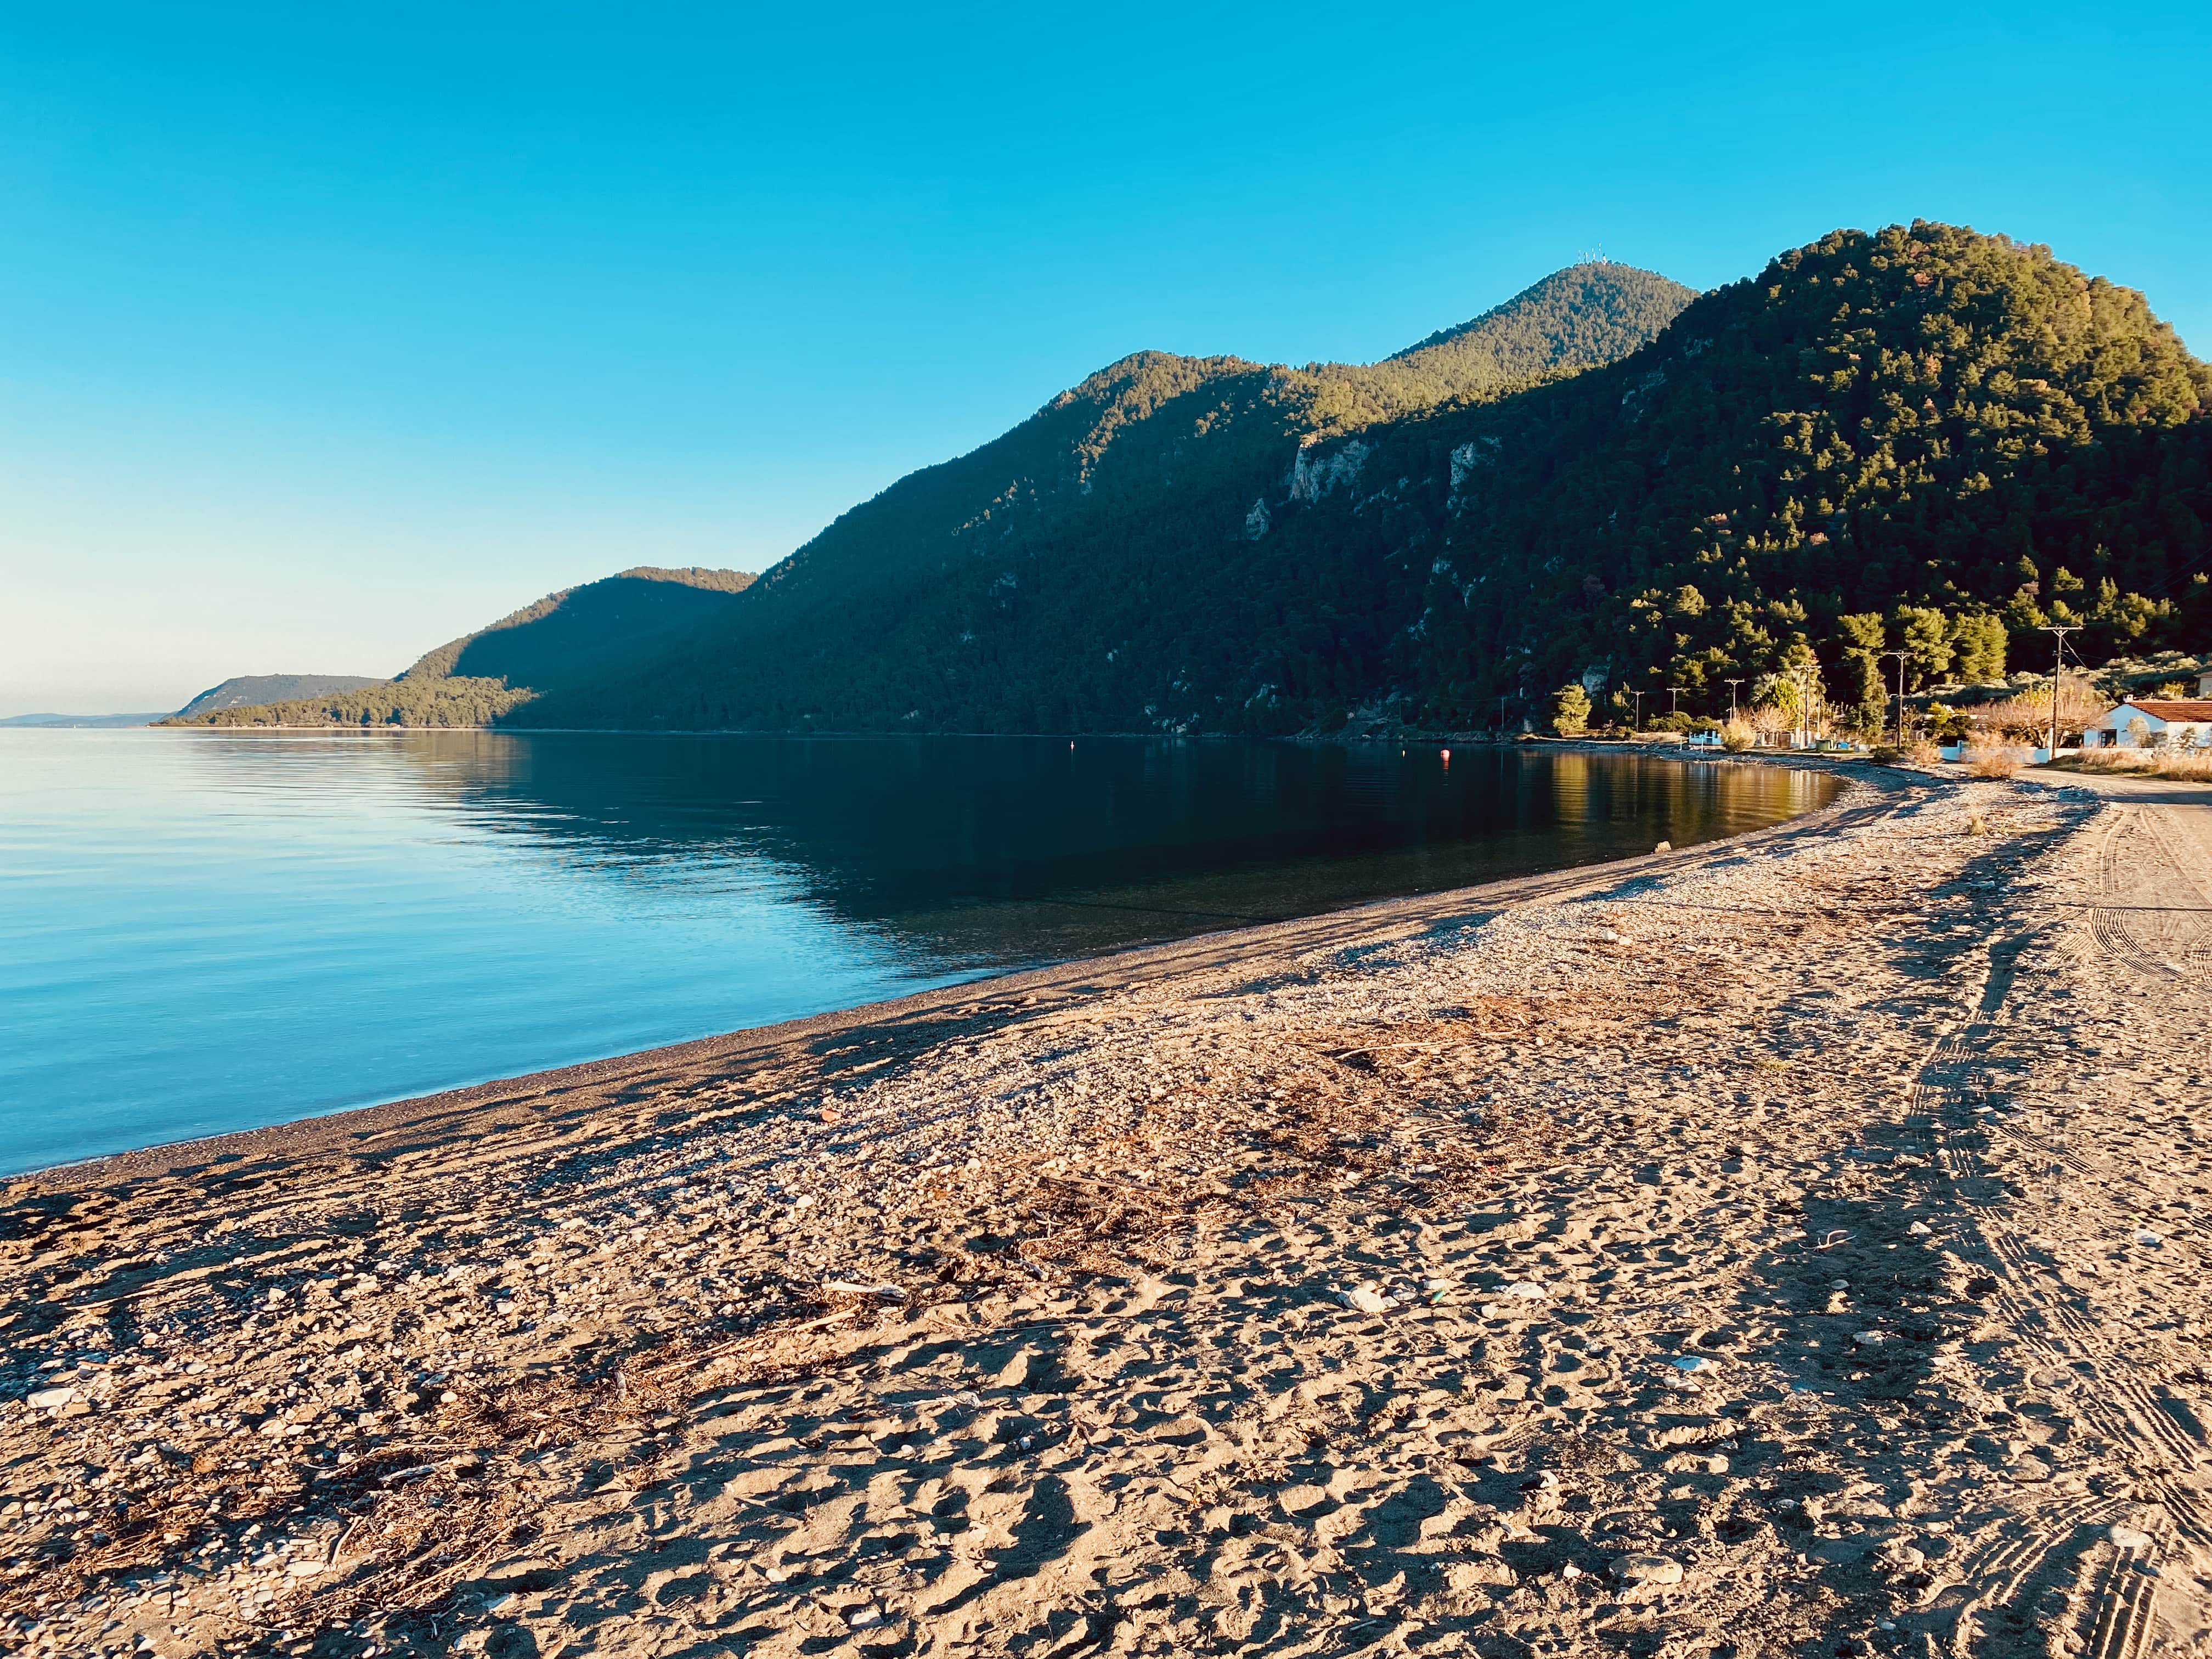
1978 639
1925 633
2021 615
1859 666
1571 709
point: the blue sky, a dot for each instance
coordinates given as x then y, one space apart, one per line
327 333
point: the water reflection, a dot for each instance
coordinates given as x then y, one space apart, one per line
1000 850
201 932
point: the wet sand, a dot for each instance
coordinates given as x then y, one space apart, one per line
1787 1243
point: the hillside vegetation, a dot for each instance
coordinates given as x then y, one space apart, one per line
249 691
1922 438
575 636
583 633
385 702
1583 316
1016 587
1925 439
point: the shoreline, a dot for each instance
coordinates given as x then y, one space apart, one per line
299 1136
1794 1243
1483 738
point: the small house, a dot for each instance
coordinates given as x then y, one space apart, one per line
2154 722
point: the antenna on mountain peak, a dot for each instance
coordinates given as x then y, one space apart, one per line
1591 256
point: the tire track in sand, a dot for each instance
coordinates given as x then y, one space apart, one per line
2130 858
1996 1572
2145 858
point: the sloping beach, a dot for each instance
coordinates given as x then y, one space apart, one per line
1793 1245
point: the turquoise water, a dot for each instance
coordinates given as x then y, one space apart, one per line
201 932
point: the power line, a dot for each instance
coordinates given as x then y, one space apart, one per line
1902 656
2057 674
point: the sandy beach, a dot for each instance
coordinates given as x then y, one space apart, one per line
1794 1245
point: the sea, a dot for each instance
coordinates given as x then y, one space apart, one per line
205 931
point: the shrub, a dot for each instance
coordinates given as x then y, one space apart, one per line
1994 760
2105 760
2027 716
2190 763
1944 725
1736 736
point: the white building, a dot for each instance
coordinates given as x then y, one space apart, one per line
2154 722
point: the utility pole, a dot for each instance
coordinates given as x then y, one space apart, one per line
1902 657
1801 674
1732 685
1639 695
1501 717
1674 700
2057 666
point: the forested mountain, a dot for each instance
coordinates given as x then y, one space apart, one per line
580 635
246 690
1583 316
442 702
1925 438
1143 470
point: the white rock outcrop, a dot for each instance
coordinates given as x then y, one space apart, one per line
1313 474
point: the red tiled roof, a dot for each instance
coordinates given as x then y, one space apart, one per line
2172 709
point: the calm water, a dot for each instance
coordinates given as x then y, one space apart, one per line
201 932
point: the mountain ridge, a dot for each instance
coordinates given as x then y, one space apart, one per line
249 691
1577 315
50 721
1153 438
649 600
1922 436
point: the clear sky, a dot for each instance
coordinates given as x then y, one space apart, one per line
328 333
